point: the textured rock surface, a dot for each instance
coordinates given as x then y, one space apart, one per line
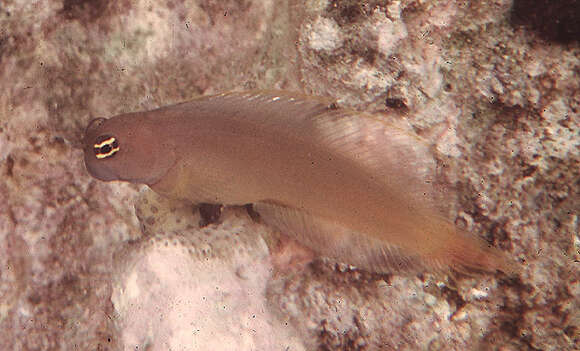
185 288
498 100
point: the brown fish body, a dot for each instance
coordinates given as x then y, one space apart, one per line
348 185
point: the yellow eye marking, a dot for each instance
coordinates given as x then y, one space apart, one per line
109 141
105 146
108 154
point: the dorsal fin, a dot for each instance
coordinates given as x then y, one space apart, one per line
388 150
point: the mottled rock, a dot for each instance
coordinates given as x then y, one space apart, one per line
190 288
499 100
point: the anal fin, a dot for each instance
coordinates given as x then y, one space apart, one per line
337 242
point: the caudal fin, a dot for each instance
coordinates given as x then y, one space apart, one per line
467 253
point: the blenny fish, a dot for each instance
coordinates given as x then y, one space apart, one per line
346 184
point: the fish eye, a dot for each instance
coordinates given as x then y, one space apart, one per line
105 146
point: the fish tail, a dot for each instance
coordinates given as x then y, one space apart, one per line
466 253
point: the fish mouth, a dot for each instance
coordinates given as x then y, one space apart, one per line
101 172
